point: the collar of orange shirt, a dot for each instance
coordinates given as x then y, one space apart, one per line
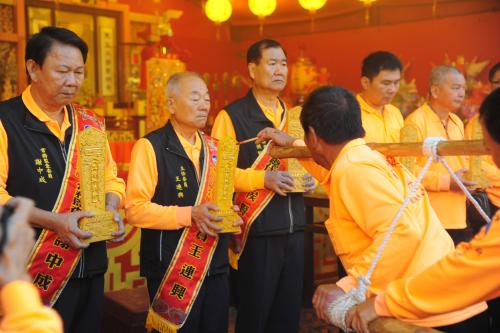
367 107
52 125
430 114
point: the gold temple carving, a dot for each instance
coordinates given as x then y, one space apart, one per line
227 157
294 129
91 167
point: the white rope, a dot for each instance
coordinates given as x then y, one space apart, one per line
467 193
338 309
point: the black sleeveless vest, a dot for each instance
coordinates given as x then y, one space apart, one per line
283 214
32 151
158 246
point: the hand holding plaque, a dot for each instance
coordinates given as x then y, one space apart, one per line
294 129
91 159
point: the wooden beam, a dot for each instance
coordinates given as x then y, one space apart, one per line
390 325
445 148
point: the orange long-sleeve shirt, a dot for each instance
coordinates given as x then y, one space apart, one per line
24 312
380 127
113 184
449 205
468 275
143 179
365 194
489 167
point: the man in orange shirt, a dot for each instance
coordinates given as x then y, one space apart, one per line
271 262
468 275
380 77
39 160
366 190
171 179
437 118
23 310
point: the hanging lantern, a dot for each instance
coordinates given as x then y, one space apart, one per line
367 4
312 5
262 8
218 11
434 8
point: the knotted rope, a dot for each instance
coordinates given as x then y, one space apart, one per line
339 308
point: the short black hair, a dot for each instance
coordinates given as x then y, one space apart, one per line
39 44
493 71
489 112
334 113
254 52
378 61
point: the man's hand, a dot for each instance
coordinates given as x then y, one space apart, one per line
20 241
234 239
112 204
324 295
460 174
309 183
279 182
239 221
68 231
279 138
359 317
204 220
118 235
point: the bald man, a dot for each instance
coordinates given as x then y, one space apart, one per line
437 118
182 257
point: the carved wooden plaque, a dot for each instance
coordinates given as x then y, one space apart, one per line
91 165
294 129
475 172
409 134
227 157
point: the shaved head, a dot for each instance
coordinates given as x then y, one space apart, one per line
174 83
438 74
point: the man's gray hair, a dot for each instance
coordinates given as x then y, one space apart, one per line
173 84
439 73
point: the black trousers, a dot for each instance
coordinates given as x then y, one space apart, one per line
210 311
81 305
477 324
494 314
269 284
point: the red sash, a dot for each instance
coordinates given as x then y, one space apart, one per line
186 272
52 262
253 203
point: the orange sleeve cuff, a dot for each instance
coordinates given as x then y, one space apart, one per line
20 296
183 216
381 308
347 283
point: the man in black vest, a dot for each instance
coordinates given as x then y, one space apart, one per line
167 172
37 160
271 268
